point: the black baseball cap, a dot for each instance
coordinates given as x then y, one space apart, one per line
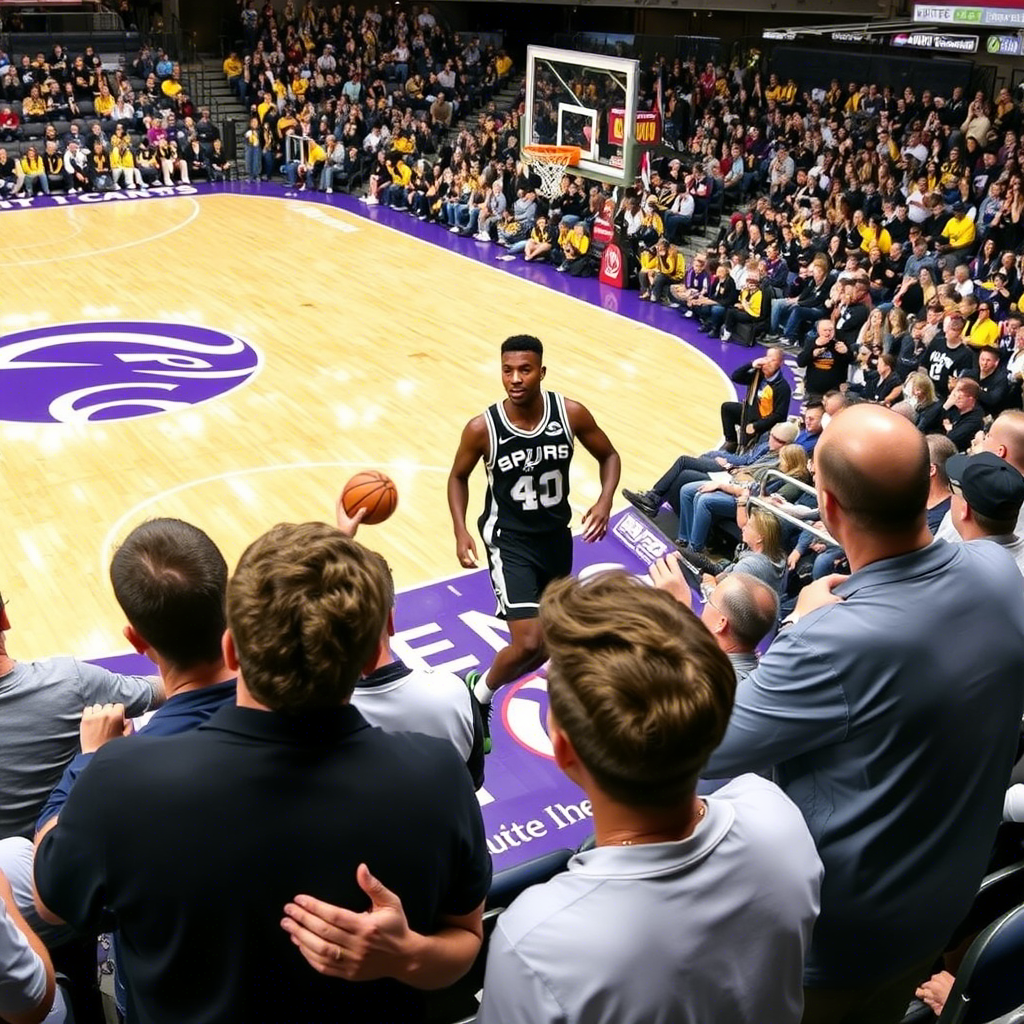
989 484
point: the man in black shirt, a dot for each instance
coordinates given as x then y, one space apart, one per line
852 312
964 417
8 174
948 356
992 380
196 844
826 359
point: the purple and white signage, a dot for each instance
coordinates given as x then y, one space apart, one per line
529 806
82 372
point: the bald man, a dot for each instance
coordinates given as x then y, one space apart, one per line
1005 438
739 612
889 704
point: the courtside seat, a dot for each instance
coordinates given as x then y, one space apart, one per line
16 107
747 334
62 128
86 108
990 983
1000 891
33 131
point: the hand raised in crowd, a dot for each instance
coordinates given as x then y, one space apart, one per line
101 723
666 574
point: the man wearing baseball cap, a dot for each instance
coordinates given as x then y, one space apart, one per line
987 496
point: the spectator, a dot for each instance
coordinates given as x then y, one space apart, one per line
28 987
828 711
987 497
940 450
739 611
648 823
960 416
766 403
825 359
42 702
347 796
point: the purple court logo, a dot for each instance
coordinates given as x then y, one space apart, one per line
525 715
102 371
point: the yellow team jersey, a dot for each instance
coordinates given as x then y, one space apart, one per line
29 166
404 144
981 334
170 88
401 173
232 67
103 105
959 232
751 300
121 159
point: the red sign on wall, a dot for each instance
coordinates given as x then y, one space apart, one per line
648 127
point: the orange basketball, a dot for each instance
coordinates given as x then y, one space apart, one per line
373 491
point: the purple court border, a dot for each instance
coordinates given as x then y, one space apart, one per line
625 303
529 807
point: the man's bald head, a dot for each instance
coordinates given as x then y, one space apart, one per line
750 607
1007 433
874 463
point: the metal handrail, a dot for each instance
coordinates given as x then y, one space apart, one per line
787 517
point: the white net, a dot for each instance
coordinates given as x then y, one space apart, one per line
550 163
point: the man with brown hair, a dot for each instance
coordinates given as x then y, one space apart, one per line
197 844
639 926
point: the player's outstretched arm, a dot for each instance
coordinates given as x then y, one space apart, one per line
595 440
472 448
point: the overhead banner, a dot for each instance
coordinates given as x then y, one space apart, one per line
648 127
995 15
1007 46
943 43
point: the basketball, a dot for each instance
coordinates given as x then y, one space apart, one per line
373 491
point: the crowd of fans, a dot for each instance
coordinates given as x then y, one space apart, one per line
68 124
837 888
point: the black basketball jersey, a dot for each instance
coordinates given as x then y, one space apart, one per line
527 472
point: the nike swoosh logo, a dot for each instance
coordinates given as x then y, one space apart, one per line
505 440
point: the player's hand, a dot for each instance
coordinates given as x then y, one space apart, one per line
346 523
101 723
595 521
465 550
344 944
666 575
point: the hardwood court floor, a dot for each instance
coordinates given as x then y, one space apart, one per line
377 348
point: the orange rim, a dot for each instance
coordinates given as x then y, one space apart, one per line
569 155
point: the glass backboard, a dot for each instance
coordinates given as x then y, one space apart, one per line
587 100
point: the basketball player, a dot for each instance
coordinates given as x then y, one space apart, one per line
526 443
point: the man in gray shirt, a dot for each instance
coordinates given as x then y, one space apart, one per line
688 909
41 704
740 610
890 707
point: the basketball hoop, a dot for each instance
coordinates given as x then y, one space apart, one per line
551 162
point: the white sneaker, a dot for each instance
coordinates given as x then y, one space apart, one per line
329 190
689 313
726 335
72 191
370 201
363 199
454 231
482 236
